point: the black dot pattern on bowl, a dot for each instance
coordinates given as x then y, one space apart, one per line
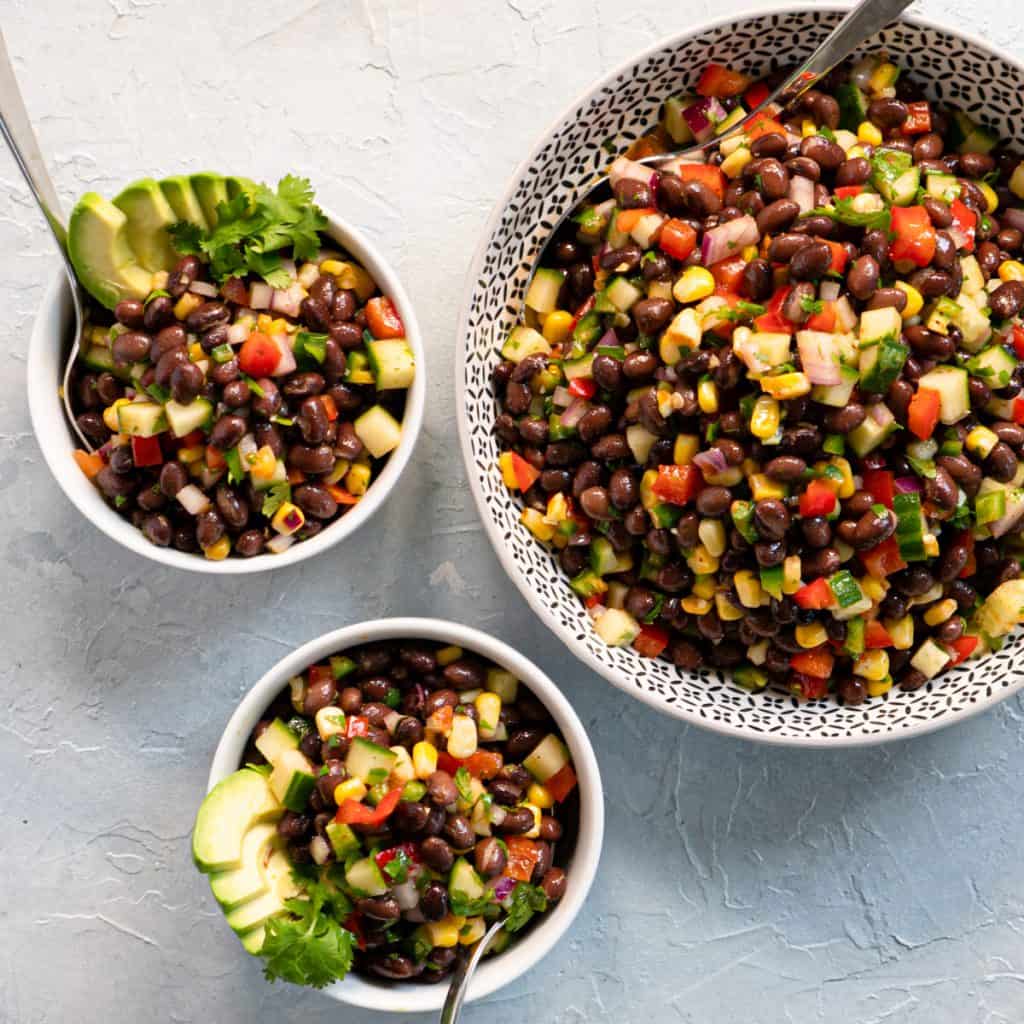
954 71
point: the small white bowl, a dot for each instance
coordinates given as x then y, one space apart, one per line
57 441
504 968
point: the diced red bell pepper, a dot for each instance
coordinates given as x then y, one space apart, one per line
728 273
706 174
562 783
582 387
848 191
146 451
883 559
258 356
354 924
719 81
1018 410
411 851
772 319
962 649
447 763
808 687
677 484
356 725
484 764
881 485
923 413
341 496
756 95
840 256
818 500
815 595
825 320
523 855
1018 340
677 239
965 220
382 318
763 124
914 240
816 662
651 641
594 600
90 463
330 407
526 475
626 220
876 636
352 812
920 119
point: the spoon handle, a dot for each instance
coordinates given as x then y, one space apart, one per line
19 136
460 979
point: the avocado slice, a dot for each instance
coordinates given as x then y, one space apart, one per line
179 193
236 186
252 940
233 888
101 253
253 914
210 189
149 216
229 811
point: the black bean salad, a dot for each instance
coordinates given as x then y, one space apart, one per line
397 798
767 409
244 398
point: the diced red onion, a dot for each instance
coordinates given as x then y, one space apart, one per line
391 720
560 397
279 544
960 239
801 191
846 318
503 887
246 447
880 414
405 893
574 413
286 364
711 462
203 288
907 484
237 333
728 239
319 850
260 295
610 338
1009 521
818 357
829 291
702 117
288 266
624 168
192 500
288 300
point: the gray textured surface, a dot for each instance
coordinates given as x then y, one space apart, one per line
738 883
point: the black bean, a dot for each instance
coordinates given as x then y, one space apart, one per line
785 468
862 277
651 315
465 673
810 262
853 171
1001 463
434 901
159 312
517 821
631 194
233 509
775 217
756 283
714 501
458 831
1007 300
885 297
315 500
312 460
209 528
227 431
771 518
826 154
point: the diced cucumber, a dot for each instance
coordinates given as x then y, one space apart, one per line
183 419
379 431
292 779
881 361
141 419
503 683
974 280
973 321
909 527
604 559
889 171
465 881
749 678
994 365
523 342
989 507
343 840
903 190
574 369
942 186
929 659
542 295
734 117
972 137
878 323
617 627
603 304
942 313
549 757
675 123
99 357
366 878
853 106
951 382
837 395
369 762
587 583
622 295
644 232
275 740
873 431
392 362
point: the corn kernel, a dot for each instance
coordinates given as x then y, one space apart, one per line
330 721
110 417
901 631
219 550
914 300
940 612
694 284
192 454
488 708
883 77
707 396
791 569
686 446
557 326
787 385
540 796
727 611
764 420
811 634
1011 270
186 304
749 252
472 931
930 543
444 933
535 523
991 199
402 770
880 687
558 508
870 587
847 487
856 152
462 741
350 275
695 605
763 486
733 164
757 654
424 759
712 535
534 832
357 479
868 134
981 440
350 789
748 588
872 665
448 654
704 586
701 561
508 473
288 519
808 128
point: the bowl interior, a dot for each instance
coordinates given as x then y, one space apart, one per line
957 70
580 864
45 369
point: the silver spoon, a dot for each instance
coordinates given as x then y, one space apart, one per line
17 132
866 19
460 979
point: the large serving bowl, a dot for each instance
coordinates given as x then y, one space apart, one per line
585 851
957 69
57 441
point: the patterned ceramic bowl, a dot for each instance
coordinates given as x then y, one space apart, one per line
957 69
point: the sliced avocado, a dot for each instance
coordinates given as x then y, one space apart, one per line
210 189
182 197
149 216
252 914
236 186
230 809
233 888
252 940
101 253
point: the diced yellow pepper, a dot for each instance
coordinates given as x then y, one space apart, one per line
991 199
534 832
488 709
811 634
883 77
856 152
868 134
914 300
693 605
186 304
727 611
765 417
733 164
880 687
472 931
808 128
219 550
337 474
686 446
763 486
704 586
540 796
694 284
557 326
195 352
748 588
194 453
350 275
870 587
402 770
749 252
534 521
872 665
288 519
791 569
981 440
447 655
847 487
931 545
110 417
901 631
1011 270
558 508
940 611
350 789
424 759
787 385
444 933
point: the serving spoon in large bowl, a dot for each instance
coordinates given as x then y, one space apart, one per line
21 139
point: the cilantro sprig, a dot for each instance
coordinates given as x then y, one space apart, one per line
275 497
844 212
525 901
254 228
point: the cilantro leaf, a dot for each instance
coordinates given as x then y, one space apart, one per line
309 946
397 869
811 305
961 518
463 906
922 467
525 901
464 785
276 497
743 310
187 238
843 211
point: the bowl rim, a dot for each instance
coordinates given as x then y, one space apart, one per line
501 971
576 645
46 413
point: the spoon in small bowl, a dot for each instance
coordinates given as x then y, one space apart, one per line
17 132
859 25
464 972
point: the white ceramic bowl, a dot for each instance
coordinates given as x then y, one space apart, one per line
580 869
57 441
957 68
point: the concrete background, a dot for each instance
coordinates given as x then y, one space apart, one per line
738 883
